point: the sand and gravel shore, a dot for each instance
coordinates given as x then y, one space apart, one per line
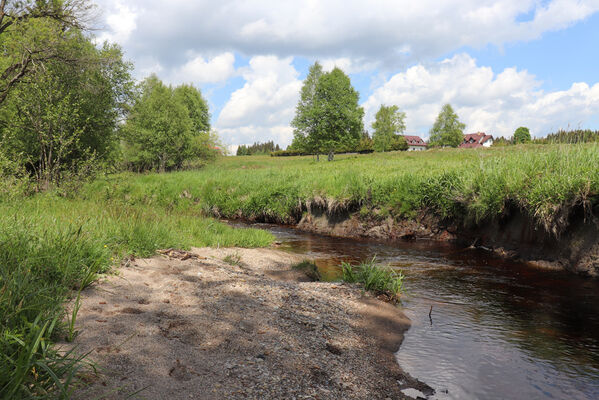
201 325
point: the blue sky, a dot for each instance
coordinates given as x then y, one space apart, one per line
500 63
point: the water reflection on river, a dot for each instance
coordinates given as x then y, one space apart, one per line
498 330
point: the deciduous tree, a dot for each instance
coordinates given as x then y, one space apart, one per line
66 114
32 33
447 130
522 135
388 125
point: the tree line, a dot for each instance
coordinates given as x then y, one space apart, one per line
70 108
258 149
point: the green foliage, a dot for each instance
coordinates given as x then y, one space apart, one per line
51 246
196 106
328 116
164 128
398 143
571 136
34 32
375 278
522 135
388 125
447 130
366 145
258 149
304 122
501 142
337 115
67 113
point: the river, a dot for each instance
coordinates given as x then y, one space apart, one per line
497 329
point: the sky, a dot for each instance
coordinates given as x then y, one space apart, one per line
501 64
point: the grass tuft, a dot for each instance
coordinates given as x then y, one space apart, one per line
376 278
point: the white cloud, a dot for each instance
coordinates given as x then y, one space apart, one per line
121 21
200 70
263 108
387 32
496 103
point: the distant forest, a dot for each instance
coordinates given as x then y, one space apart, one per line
574 136
257 148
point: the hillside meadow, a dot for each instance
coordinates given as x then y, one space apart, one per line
465 185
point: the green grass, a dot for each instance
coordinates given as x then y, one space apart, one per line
467 185
375 278
50 248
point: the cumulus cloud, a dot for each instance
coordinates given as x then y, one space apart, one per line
389 32
120 20
495 103
263 108
201 70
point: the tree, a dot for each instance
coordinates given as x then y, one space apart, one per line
388 125
32 33
304 121
337 117
447 130
65 117
196 105
522 135
166 127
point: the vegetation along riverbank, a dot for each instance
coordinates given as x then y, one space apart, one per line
535 202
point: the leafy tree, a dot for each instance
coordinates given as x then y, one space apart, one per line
304 122
166 127
32 34
522 135
63 120
399 143
328 116
337 115
196 105
389 123
447 130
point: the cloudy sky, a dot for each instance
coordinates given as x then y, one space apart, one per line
501 64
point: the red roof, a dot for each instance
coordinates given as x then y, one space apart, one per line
472 140
414 140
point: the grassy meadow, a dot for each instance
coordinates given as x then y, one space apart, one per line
467 185
52 246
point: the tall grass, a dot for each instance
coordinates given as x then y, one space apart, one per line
374 277
51 248
466 185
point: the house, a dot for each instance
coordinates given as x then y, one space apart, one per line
479 139
415 143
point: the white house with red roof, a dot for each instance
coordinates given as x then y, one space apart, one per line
415 143
479 139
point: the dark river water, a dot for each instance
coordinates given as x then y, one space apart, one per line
497 330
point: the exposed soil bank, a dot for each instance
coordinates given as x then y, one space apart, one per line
515 236
237 324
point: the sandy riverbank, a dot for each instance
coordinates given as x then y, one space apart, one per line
192 325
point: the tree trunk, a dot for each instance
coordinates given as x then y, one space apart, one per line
331 155
317 157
